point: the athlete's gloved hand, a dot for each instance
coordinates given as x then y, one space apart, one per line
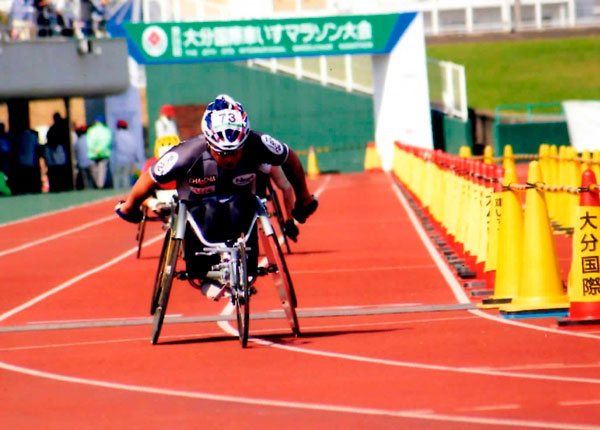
135 216
304 209
291 230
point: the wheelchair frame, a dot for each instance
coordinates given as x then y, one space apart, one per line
230 272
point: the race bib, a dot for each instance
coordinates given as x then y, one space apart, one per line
227 119
275 146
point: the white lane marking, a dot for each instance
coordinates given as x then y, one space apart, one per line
75 280
427 415
57 235
457 290
489 408
549 366
363 269
579 402
333 308
309 329
396 363
45 214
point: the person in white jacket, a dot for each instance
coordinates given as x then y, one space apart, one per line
165 125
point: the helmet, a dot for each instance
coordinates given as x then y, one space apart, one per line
164 143
225 124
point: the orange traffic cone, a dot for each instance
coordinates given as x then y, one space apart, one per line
584 287
372 158
313 166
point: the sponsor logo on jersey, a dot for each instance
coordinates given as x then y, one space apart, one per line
200 182
203 190
244 179
275 146
165 164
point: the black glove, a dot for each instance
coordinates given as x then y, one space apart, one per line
134 217
301 211
291 230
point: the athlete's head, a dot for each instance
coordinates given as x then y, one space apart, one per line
225 125
164 143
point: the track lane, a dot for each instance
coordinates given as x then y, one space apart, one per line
347 383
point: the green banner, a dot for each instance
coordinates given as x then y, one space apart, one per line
157 43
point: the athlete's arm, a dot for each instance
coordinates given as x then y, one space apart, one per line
141 190
306 203
284 185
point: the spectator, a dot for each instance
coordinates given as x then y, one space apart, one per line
25 172
49 21
4 150
165 125
21 17
84 179
99 142
56 154
125 156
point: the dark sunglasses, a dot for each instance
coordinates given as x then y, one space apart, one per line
227 153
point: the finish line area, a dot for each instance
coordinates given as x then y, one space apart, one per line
383 310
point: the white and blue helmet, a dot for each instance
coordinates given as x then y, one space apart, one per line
225 124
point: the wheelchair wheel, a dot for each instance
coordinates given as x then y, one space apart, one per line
278 214
159 273
140 232
283 281
242 298
166 280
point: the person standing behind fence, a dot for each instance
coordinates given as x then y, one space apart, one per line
125 156
25 169
165 125
84 180
56 154
99 142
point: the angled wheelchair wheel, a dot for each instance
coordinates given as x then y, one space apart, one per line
283 281
278 214
242 298
159 273
166 280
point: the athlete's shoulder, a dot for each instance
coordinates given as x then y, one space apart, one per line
268 141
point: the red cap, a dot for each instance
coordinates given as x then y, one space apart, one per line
122 123
167 110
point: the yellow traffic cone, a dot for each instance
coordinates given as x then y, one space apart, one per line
313 166
510 240
372 158
508 158
584 279
488 154
540 286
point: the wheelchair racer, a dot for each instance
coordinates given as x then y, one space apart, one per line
215 173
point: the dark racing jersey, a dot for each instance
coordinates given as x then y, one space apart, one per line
198 175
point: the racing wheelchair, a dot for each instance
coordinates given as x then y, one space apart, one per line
231 271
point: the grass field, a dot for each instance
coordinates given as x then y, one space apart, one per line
526 71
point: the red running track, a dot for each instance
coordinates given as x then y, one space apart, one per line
461 369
